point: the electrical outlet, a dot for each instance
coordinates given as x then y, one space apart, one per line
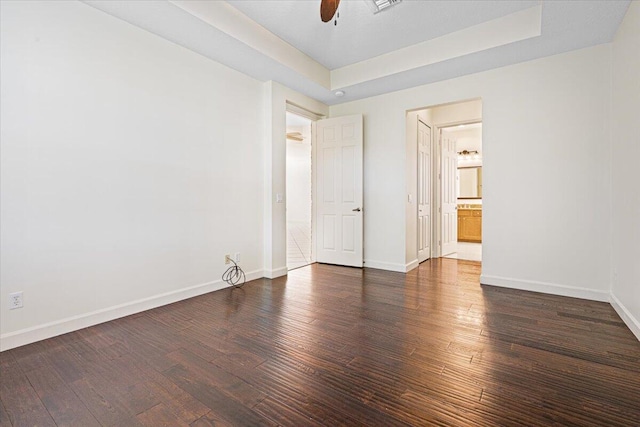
237 257
15 300
227 259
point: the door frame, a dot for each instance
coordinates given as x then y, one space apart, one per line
300 111
437 219
273 147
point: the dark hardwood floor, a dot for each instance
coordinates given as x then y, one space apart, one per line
332 346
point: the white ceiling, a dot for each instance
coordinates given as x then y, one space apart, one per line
412 43
359 34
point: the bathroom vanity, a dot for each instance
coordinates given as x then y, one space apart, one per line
470 223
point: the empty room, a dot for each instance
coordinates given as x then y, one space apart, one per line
319 213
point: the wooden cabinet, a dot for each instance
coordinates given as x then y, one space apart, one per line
470 225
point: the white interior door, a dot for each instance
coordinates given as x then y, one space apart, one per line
424 191
449 175
339 188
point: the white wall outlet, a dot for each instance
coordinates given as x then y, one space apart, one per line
227 259
237 257
15 300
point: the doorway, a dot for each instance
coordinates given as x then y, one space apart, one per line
442 221
299 191
466 141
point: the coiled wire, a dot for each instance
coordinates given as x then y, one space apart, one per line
234 274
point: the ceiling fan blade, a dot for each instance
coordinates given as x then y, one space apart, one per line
328 9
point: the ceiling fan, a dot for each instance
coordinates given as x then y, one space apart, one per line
329 8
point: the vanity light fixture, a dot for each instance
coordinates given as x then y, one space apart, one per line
468 155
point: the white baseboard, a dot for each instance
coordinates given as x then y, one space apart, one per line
626 316
278 272
369 263
546 288
411 265
74 323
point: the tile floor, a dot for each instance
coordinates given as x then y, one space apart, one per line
298 244
468 251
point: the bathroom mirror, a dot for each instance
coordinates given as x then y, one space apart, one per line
470 182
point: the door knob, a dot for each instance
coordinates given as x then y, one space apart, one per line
356 210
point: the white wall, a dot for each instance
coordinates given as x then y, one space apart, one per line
118 192
130 166
626 150
299 176
451 114
555 111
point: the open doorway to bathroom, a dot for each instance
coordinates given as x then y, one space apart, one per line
467 140
299 195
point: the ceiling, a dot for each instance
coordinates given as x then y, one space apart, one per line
365 54
359 34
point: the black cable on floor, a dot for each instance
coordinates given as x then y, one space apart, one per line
234 274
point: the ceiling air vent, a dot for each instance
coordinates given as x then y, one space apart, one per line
379 5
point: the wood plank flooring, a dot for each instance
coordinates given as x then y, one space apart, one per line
333 346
